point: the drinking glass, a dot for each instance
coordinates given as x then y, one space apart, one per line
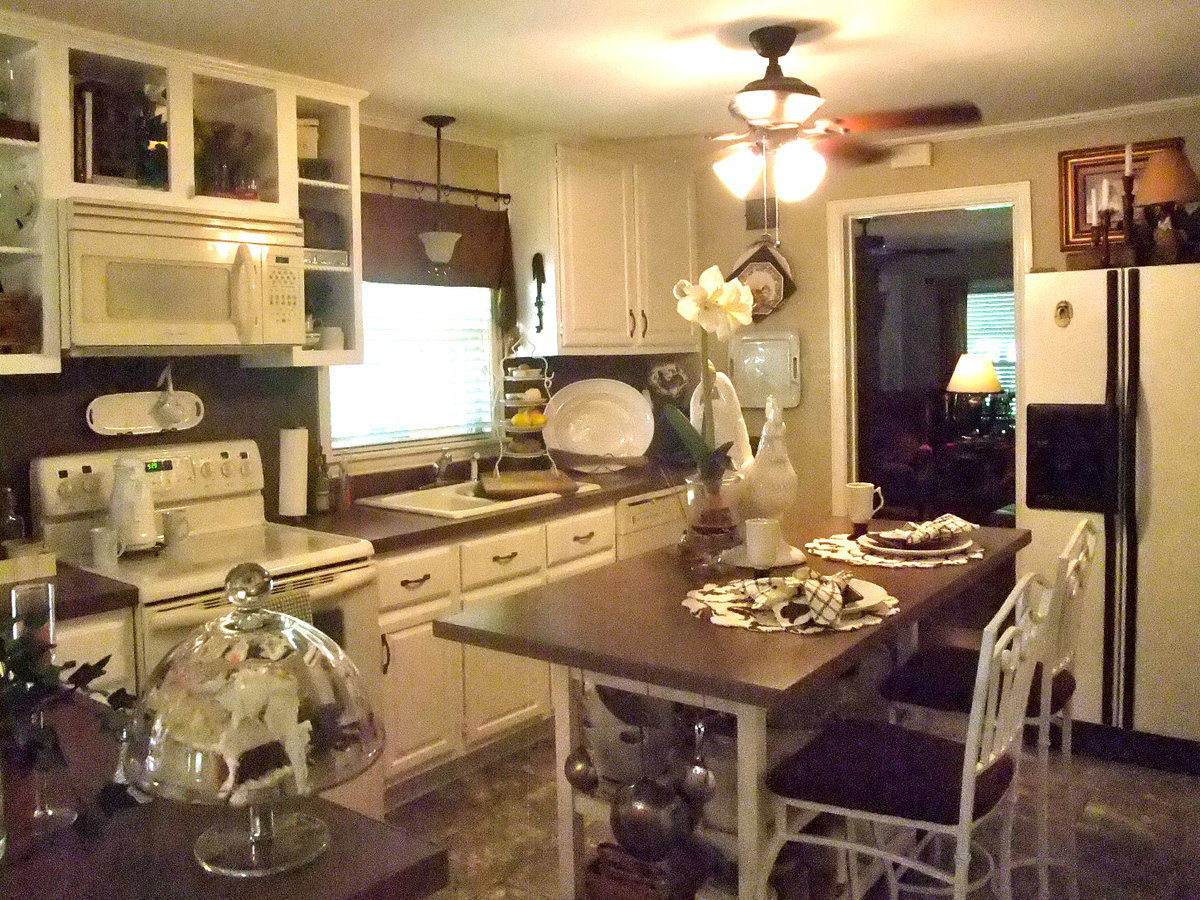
36 599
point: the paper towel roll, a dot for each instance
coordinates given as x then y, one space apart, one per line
293 471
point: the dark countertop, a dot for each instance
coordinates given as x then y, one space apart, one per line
146 853
389 530
627 620
79 593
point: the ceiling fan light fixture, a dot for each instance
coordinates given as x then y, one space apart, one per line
799 170
739 168
767 106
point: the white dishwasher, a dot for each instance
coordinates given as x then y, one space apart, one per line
649 521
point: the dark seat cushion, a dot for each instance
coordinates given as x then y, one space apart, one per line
886 769
944 678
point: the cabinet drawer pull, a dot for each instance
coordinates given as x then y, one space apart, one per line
645 323
387 653
632 324
506 558
415 582
584 538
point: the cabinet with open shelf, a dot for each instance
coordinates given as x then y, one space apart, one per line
29 341
93 116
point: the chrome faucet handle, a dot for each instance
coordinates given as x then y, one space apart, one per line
442 466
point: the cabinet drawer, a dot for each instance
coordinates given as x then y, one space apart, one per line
417 577
502 556
650 510
580 535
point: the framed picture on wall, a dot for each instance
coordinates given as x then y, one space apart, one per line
1082 171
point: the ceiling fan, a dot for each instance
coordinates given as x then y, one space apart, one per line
775 109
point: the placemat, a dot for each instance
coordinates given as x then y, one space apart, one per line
780 603
843 548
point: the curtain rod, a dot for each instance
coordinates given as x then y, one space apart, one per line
448 188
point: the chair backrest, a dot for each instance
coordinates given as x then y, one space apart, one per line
1008 655
1062 611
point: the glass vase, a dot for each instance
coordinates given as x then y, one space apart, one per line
712 523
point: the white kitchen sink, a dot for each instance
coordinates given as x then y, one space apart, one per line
457 501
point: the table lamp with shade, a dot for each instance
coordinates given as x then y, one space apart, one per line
1167 183
974 378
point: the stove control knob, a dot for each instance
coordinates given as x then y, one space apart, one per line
245 468
91 484
206 469
65 488
227 468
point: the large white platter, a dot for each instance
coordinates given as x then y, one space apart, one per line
599 417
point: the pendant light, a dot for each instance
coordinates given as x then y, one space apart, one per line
439 244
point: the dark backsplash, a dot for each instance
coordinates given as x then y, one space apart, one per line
43 415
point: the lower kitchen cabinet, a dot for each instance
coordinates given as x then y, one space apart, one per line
423 689
91 638
500 690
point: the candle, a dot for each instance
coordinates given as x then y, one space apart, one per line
1091 206
1129 159
1104 195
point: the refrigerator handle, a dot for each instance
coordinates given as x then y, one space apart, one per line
1130 400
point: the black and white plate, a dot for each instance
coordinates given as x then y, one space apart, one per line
871 545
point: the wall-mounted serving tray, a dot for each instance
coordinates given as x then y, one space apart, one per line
145 412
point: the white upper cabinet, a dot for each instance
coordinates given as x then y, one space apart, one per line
127 122
615 234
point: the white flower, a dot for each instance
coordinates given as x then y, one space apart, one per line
718 306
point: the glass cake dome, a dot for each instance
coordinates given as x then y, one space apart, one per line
253 709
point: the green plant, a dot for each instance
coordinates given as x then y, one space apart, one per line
31 682
712 462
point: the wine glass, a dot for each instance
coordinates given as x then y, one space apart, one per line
36 600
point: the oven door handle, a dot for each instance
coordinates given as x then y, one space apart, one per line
189 616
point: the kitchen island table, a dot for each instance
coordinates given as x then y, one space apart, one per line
624 626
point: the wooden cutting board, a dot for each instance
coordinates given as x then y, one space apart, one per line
513 485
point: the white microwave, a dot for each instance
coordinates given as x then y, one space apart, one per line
176 281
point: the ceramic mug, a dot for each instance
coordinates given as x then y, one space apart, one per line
763 540
106 547
863 500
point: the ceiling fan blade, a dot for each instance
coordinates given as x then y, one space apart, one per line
938 116
849 151
733 136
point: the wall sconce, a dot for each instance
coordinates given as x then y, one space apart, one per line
439 244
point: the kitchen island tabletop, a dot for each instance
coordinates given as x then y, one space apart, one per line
624 625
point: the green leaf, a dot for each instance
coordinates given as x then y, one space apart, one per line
693 442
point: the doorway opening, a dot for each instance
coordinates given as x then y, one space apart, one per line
928 288
916 281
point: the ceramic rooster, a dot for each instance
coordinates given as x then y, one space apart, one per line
771 483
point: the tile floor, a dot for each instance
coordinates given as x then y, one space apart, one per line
1138 831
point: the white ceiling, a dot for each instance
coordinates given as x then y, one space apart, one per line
631 68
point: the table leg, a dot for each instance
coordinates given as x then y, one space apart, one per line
752 805
567 734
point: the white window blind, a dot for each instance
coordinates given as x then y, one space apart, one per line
992 332
426 371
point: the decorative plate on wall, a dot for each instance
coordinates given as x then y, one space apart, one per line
763 269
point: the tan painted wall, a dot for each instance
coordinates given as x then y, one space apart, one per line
403 155
1029 156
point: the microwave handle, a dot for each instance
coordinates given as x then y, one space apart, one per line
247 294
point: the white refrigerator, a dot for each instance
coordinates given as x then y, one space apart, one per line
1108 426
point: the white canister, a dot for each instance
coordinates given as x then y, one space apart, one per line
308 134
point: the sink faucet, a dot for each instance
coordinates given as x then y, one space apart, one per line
442 467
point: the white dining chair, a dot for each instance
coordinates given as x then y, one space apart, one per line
922 788
940 678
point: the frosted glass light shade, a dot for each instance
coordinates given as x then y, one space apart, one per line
799 170
974 374
767 108
739 169
439 245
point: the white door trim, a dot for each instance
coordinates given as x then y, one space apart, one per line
838 229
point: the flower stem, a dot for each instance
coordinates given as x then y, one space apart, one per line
707 430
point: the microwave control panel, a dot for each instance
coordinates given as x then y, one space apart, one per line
283 297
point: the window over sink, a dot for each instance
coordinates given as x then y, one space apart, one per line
429 358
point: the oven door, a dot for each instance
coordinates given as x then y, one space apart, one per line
149 290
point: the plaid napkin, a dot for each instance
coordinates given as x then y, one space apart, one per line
937 529
805 596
